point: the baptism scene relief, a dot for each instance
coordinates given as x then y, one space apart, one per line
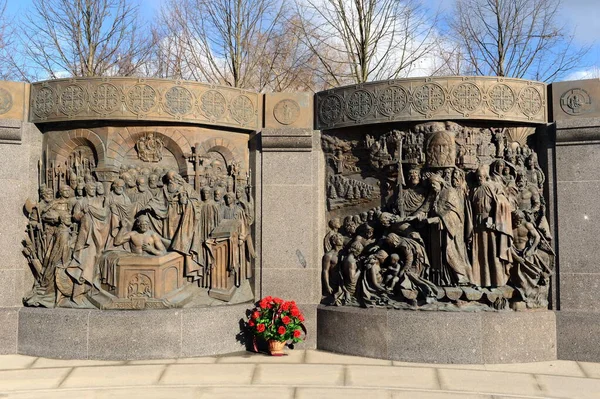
436 216
150 223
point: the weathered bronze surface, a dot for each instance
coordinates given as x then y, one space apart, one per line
438 216
443 98
120 98
127 231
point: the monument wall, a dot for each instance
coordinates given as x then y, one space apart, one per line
306 169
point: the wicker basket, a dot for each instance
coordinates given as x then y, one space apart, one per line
276 347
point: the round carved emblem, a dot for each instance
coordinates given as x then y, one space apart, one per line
213 104
43 102
242 109
393 100
359 104
530 101
72 100
575 101
466 97
330 109
105 99
286 111
429 98
141 99
6 101
178 100
501 98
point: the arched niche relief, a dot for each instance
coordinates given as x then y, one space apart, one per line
70 156
151 148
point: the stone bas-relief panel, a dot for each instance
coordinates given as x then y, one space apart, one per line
110 234
435 216
473 98
120 98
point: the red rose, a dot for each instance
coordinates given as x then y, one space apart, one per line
286 320
263 304
285 306
260 328
255 315
278 301
300 317
250 323
268 298
295 312
297 333
281 330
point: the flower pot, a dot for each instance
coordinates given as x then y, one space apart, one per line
276 347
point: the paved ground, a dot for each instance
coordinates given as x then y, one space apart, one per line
301 374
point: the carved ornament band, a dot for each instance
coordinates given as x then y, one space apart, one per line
143 99
447 98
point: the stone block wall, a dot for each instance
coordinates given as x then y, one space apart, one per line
20 150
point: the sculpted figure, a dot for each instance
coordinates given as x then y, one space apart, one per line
414 274
130 184
492 236
121 211
330 272
449 219
93 216
153 181
208 219
414 195
142 196
531 265
334 225
351 271
371 289
142 240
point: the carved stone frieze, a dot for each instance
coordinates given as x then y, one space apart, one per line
150 99
6 101
482 98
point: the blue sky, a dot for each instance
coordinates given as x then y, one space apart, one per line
583 15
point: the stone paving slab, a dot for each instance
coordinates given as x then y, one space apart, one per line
302 374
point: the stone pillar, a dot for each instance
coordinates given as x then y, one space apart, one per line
20 151
576 189
290 204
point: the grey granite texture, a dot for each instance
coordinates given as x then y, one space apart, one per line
578 335
122 335
438 337
579 291
9 326
55 333
127 335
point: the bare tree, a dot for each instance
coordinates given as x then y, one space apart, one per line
515 38
239 43
84 38
8 45
362 40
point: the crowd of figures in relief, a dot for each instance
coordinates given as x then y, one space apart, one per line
437 216
82 233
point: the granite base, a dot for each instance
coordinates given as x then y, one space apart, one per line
578 335
131 335
438 337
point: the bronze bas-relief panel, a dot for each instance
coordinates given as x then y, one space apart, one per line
475 98
146 99
435 216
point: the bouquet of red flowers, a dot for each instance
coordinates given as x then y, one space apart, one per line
276 320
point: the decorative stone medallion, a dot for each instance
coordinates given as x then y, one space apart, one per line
392 100
242 109
141 98
43 102
429 98
72 100
359 104
530 101
179 101
575 101
466 98
105 99
286 111
213 104
330 109
6 101
501 98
